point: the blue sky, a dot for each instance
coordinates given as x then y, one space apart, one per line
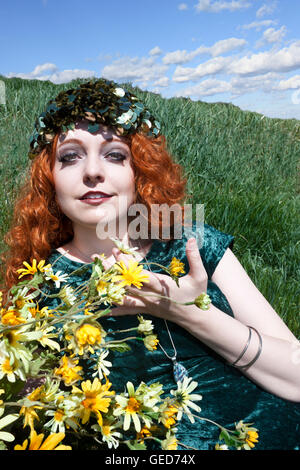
246 52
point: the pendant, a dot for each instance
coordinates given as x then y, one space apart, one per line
179 371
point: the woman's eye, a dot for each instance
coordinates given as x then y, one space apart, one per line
68 157
116 156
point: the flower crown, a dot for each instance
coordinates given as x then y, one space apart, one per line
100 102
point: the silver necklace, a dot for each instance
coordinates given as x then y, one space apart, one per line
179 371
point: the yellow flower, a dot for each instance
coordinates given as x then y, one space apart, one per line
29 415
131 275
101 286
203 301
35 311
247 434
169 414
170 443
34 268
145 326
11 317
151 341
132 408
144 432
50 443
176 267
96 399
68 370
87 336
29 411
252 438
9 370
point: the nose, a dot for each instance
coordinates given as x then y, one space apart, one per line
93 169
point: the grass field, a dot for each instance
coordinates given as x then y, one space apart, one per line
244 168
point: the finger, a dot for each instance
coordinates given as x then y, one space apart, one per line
104 261
194 258
119 256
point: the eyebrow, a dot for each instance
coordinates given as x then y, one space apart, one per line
78 141
71 141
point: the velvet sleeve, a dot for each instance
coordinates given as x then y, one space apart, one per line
215 243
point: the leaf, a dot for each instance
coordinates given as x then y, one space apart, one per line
93 127
134 445
120 347
230 440
2 446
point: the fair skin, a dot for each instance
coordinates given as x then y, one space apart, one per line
94 162
92 168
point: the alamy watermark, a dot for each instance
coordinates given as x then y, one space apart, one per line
141 223
296 97
2 92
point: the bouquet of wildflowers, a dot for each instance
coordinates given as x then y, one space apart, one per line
47 402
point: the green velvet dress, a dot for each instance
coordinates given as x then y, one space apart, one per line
228 396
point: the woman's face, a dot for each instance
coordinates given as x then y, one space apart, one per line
98 164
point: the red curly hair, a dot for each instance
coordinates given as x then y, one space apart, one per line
38 224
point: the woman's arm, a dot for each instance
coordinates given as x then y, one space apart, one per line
275 370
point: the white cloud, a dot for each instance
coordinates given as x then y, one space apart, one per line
179 57
271 36
265 10
226 45
39 69
291 83
155 51
207 87
244 85
67 75
210 67
220 47
220 5
162 82
182 6
53 75
283 60
258 25
134 69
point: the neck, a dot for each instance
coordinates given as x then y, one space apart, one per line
85 244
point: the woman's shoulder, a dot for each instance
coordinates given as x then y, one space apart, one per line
211 241
60 262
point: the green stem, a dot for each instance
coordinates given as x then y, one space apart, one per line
122 331
120 341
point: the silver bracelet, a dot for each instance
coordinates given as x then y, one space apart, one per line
245 349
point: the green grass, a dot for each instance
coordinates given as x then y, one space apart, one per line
242 166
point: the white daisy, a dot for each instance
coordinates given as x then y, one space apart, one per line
102 365
184 398
57 278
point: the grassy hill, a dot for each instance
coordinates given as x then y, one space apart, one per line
244 168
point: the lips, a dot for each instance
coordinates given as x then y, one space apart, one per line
95 195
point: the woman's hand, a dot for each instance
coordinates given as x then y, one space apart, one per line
151 297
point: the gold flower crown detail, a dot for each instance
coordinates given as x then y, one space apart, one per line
100 102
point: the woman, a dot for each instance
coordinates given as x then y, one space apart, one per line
96 152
